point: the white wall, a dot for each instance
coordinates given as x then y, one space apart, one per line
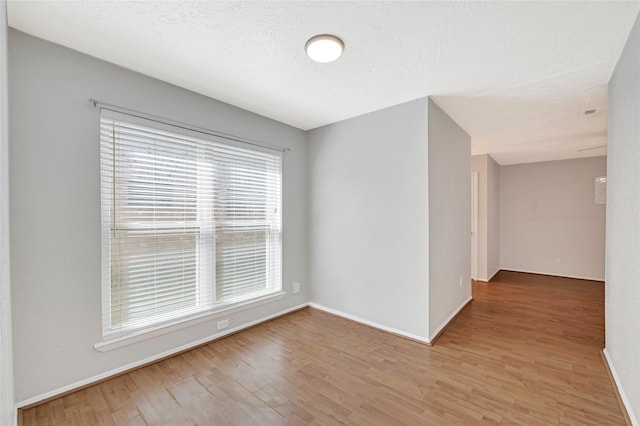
549 222
55 208
7 402
449 218
493 217
390 208
369 216
622 289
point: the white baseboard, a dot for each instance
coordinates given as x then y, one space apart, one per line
486 280
449 318
88 381
552 274
623 396
371 323
493 275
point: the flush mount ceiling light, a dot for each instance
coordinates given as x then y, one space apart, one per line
324 48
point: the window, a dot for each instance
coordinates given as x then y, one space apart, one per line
189 225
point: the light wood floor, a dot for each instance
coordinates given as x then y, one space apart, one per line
526 351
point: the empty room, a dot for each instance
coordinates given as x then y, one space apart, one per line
360 213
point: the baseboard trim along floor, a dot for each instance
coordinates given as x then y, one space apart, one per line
449 321
410 336
91 381
620 395
524 271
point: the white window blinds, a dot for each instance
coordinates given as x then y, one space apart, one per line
189 225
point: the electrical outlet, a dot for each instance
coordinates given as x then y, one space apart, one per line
223 324
295 288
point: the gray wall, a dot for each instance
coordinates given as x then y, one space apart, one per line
55 208
622 290
449 217
493 217
7 402
549 222
368 243
390 209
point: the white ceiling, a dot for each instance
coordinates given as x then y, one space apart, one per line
517 76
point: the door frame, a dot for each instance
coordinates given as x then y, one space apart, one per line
474 225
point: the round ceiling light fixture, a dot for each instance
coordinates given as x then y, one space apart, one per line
324 48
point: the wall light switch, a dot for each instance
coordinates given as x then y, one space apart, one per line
295 288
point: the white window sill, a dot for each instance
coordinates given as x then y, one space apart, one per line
148 333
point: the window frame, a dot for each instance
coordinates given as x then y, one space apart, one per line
114 336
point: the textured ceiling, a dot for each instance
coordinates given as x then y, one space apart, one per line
517 76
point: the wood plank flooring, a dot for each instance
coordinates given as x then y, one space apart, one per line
526 351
